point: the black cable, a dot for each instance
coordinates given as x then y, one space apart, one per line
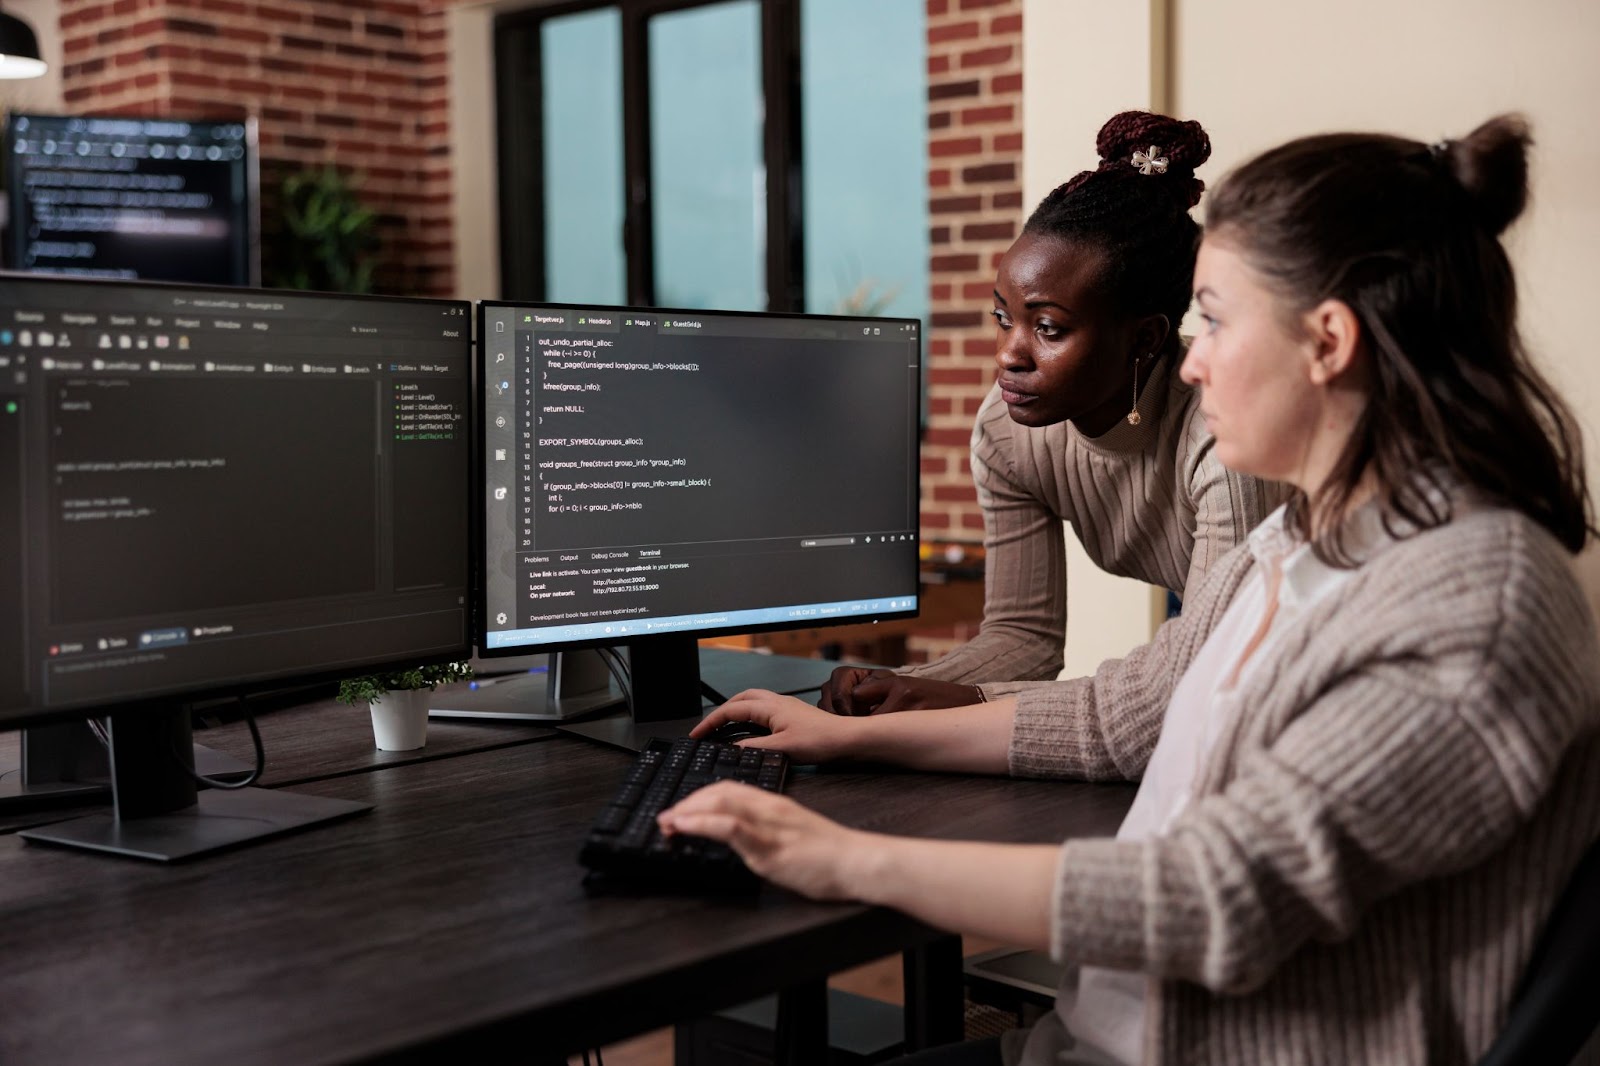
255 775
618 671
712 694
598 1061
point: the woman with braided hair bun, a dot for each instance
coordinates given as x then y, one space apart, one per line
1088 422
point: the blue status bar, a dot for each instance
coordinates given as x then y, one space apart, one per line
638 627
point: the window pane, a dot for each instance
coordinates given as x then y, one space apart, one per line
864 116
581 57
710 202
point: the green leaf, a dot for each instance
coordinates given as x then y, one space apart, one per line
328 237
365 689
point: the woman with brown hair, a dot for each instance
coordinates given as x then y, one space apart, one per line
1369 748
1088 422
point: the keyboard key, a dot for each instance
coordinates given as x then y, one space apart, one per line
625 841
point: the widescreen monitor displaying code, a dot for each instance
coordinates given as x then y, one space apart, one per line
204 488
657 471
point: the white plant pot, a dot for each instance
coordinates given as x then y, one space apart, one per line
400 719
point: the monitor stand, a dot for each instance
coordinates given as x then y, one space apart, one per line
66 764
570 685
675 682
161 814
621 731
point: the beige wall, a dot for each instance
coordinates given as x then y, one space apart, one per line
1258 72
1083 61
473 156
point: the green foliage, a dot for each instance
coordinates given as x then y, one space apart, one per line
354 690
862 300
328 237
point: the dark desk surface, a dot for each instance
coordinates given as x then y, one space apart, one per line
306 743
329 739
326 738
449 917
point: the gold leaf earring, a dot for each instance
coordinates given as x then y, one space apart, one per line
1133 416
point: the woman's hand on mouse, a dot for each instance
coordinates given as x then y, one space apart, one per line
806 733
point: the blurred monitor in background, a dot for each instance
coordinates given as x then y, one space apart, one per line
133 198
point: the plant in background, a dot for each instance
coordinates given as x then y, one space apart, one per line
862 300
370 687
328 237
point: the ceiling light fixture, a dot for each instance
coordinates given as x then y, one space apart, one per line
19 49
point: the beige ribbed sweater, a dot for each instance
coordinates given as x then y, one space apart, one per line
1149 502
1375 842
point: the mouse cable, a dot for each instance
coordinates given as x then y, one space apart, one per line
618 671
255 774
98 727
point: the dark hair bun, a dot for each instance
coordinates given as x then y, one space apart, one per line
1491 163
1184 145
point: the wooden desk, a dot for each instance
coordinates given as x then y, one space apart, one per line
448 919
331 739
305 743
326 738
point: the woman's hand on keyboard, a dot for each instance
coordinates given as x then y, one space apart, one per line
805 733
775 836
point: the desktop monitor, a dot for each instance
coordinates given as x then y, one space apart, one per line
654 476
208 491
134 198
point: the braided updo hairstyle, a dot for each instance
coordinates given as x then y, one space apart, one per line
1139 221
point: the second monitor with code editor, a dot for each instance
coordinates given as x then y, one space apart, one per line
207 492
653 476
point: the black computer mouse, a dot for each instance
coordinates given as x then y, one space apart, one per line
728 732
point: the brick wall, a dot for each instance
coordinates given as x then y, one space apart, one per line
364 83
360 83
975 203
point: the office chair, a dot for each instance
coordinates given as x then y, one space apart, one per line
1020 982
1558 1005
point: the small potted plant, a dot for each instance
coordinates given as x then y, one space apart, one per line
399 701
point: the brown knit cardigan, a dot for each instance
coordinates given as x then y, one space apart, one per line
1376 840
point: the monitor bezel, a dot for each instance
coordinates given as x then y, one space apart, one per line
33 714
480 460
16 201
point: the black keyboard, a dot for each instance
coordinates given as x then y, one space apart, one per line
625 844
